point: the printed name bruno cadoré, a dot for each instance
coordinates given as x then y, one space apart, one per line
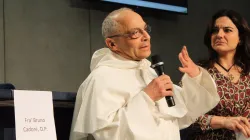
34 128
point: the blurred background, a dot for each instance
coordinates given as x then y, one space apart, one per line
47 44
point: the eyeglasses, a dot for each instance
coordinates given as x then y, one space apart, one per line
134 33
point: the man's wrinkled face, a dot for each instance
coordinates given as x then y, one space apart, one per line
134 41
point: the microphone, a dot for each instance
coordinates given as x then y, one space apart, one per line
157 65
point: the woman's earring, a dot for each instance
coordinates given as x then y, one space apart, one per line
240 43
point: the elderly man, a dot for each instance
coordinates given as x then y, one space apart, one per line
123 98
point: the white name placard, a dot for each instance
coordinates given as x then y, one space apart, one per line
34 116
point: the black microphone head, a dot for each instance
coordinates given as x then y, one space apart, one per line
156 59
157 64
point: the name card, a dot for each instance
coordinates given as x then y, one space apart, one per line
34 116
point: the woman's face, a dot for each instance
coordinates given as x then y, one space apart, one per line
225 36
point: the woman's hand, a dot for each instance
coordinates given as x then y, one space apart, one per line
237 124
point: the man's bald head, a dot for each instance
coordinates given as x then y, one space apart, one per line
111 24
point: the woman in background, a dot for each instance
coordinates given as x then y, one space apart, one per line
228 40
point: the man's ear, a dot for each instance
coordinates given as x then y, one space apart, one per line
111 44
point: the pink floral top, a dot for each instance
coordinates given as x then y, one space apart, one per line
235 101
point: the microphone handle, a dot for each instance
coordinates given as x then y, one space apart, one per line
169 99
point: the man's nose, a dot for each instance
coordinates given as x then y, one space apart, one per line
146 36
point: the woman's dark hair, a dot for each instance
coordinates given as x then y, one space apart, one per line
242 55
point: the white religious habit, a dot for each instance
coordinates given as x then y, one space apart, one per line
111 103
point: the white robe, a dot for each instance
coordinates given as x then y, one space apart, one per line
111 103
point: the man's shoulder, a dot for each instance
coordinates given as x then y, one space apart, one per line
103 70
105 73
98 75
